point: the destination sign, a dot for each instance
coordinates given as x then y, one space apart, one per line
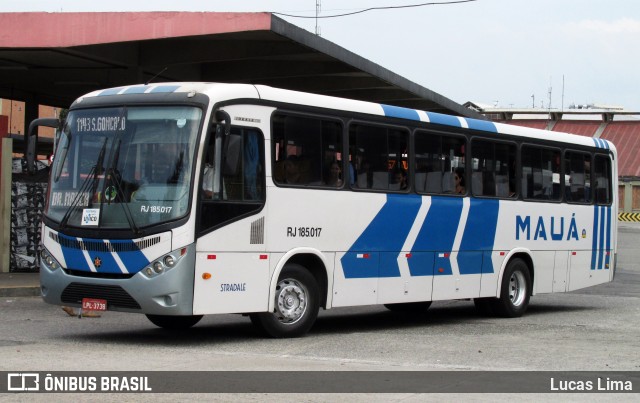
101 124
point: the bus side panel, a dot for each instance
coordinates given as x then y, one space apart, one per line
571 245
489 280
560 271
330 222
415 267
238 283
544 263
232 274
360 290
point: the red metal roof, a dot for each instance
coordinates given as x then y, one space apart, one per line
626 137
77 29
56 57
577 127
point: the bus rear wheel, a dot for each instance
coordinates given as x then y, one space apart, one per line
297 301
514 292
174 322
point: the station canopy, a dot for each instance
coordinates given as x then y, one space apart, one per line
52 58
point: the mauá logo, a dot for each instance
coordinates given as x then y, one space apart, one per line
554 225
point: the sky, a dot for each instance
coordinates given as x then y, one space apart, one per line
506 53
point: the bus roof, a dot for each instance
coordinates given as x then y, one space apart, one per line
223 91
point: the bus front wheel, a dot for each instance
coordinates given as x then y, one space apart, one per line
514 292
174 322
297 301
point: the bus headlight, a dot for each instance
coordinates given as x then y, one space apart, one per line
48 260
165 263
169 261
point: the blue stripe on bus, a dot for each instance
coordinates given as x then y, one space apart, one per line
608 244
594 242
132 258
107 262
164 88
387 232
438 233
110 91
441 119
139 89
483 125
398 112
73 257
479 235
601 143
601 239
375 252
605 237
437 118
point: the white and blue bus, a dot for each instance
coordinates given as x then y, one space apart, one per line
178 200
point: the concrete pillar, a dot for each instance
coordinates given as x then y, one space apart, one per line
6 156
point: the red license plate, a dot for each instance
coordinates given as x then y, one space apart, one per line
93 304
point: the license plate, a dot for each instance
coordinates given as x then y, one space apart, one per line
92 304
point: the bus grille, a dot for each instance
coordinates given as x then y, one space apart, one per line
103 246
114 294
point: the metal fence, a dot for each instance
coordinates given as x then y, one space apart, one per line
27 202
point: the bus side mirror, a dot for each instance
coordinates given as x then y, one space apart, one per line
32 140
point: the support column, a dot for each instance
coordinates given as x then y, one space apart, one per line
6 156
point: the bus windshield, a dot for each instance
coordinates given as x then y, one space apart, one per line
123 167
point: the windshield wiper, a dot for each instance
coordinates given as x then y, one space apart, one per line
113 176
89 182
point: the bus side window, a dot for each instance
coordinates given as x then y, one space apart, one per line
495 162
578 169
380 156
304 150
540 173
438 158
602 175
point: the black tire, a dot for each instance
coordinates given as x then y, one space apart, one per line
174 322
297 301
409 307
483 306
515 291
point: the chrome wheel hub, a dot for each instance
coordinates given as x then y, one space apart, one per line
291 301
517 288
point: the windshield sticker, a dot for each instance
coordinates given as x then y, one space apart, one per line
66 199
90 216
110 193
101 124
156 209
